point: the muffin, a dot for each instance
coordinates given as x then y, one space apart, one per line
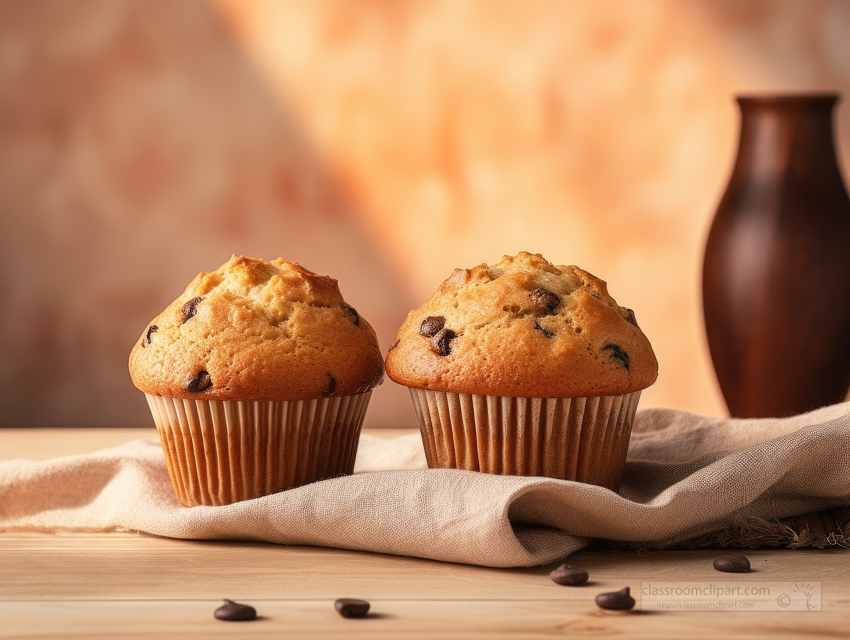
525 368
258 378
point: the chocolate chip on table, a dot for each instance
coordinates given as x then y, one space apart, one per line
630 317
151 330
350 608
330 388
235 612
431 326
352 314
200 382
441 342
617 355
616 600
190 309
545 332
544 300
567 575
732 564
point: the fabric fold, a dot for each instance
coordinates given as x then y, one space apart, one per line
686 475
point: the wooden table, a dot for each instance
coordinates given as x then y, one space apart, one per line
106 585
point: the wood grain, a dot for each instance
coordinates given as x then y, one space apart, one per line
129 566
104 585
409 619
43 444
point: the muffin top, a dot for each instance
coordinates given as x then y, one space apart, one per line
523 328
257 330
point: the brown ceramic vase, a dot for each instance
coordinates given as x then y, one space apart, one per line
776 279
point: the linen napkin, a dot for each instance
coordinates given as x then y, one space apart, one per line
686 476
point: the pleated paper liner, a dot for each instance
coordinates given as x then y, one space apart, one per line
581 439
223 451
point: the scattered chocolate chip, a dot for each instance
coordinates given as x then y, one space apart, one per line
545 332
351 312
441 342
395 345
190 309
732 564
567 575
544 300
616 600
630 317
200 382
235 612
330 388
431 326
151 330
350 608
617 355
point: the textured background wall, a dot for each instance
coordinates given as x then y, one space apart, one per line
381 143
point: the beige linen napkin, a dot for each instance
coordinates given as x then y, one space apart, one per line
686 475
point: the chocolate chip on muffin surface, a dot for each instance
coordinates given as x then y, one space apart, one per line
523 328
190 309
151 330
199 383
544 300
432 325
257 330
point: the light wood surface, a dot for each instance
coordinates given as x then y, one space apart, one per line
104 585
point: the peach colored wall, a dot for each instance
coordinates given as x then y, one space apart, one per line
138 148
383 143
597 133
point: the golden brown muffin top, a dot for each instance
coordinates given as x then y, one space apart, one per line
522 328
257 330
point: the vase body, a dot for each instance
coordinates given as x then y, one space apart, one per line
776 277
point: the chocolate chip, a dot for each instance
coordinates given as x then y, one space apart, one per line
441 342
567 575
200 382
350 608
545 332
616 600
732 564
352 314
190 309
235 612
617 355
395 345
544 300
630 316
151 330
330 388
431 326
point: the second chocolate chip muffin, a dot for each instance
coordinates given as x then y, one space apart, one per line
524 328
524 368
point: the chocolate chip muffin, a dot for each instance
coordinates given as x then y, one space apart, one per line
258 378
525 368
256 330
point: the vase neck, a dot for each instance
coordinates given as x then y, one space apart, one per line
780 132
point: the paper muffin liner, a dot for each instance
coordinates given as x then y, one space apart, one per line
581 439
224 451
